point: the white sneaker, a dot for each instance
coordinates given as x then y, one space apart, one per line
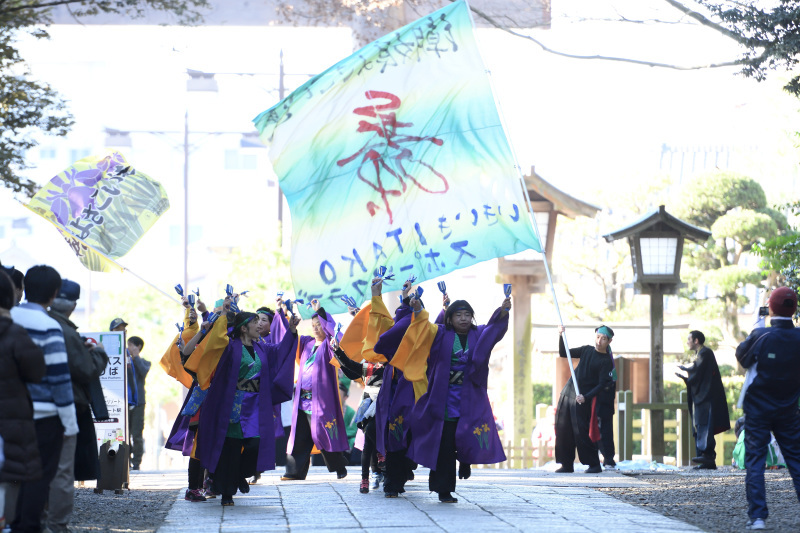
756 523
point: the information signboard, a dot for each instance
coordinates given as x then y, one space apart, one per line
115 389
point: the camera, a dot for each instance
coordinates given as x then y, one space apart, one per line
763 311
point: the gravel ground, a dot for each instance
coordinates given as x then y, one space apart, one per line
137 511
714 501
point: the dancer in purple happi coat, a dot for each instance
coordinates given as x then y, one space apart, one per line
317 419
453 419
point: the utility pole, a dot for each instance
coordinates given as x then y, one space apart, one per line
186 201
281 93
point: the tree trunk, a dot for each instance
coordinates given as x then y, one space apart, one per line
730 317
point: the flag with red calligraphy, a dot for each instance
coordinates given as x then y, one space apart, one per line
101 206
397 156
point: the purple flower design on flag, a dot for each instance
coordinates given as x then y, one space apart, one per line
77 189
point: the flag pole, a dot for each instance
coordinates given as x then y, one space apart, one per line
530 207
104 256
549 277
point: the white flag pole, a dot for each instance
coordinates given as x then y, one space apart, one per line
530 212
104 256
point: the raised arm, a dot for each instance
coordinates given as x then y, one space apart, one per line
351 369
490 334
325 320
380 321
745 352
279 326
282 358
205 358
562 350
412 355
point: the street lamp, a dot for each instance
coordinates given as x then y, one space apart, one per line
656 243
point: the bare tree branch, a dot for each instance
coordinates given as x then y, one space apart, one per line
546 48
39 6
705 21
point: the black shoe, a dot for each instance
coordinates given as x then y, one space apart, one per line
227 501
134 467
596 469
700 459
244 486
341 474
706 466
464 471
291 478
255 479
446 497
411 475
390 495
565 470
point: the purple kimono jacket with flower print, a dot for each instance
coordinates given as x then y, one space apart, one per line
327 421
477 441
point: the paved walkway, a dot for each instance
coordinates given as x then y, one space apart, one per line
491 500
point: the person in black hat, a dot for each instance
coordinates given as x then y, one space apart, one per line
118 325
87 361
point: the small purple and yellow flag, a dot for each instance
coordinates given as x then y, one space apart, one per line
102 206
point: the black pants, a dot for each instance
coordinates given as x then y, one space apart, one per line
136 429
280 447
237 462
572 431
398 471
607 438
443 479
300 459
33 494
196 474
370 447
87 464
757 426
708 449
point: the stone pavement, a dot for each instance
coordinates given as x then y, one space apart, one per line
491 500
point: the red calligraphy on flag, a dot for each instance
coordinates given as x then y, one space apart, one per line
387 162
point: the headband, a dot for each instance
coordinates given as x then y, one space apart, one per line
605 330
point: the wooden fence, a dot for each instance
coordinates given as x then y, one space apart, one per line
627 431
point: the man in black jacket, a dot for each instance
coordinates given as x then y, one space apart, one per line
707 401
771 400
574 413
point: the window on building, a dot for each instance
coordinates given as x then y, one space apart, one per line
236 160
78 153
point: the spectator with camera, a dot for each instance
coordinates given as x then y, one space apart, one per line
771 400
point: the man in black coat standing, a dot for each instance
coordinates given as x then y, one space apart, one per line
771 400
707 402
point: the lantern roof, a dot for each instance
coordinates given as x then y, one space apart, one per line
660 220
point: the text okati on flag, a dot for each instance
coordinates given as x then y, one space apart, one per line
102 206
397 156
